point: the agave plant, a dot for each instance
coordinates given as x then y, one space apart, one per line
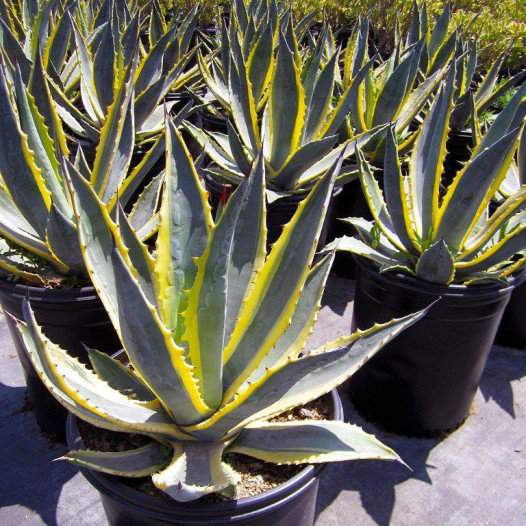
296 123
395 91
476 99
37 223
446 235
213 328
28 26
103 48
439 41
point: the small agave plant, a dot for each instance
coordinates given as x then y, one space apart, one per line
213 328
446 235
295 121
103 47
39 240
394 91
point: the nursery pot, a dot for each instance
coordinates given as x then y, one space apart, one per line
70 318
290 503
424 381
512 330
279 212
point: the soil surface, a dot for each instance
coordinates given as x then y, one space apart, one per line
256 475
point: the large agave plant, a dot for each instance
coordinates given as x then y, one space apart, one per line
294 120
394 91
438 234
213 328
103 47
37 223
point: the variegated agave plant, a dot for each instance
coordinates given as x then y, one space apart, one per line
103 48
251 36
296 123
471 102
394 91
446 235
37 224
28 26
213 328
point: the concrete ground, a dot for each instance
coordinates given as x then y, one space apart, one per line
476 477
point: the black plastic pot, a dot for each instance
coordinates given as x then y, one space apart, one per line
279 212
425 380
512 329
350 203
210 122
70 318
291 503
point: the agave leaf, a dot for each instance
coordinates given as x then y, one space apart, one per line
320 104
513 205
397 88
21 175
242 104
195 470
293 340
140 462
152 351
104 68
286 106
179 240
144 210
425 167
41 145
150 68
87 81
509 118
396 198
133 181
141 260
500 91
357 246
13 52
15 227
56 50
234 255
298 381
119 377
63 241
213 149
33 346
82 385
346 101
39 28
469 194
439 33
436 264
39 89
260 62
510 245
303 158
115 148
236 149
267 311
310 441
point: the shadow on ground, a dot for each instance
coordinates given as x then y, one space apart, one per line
29 477
504 367
376 481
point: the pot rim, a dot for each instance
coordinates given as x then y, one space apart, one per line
35 293
410 283
111 485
